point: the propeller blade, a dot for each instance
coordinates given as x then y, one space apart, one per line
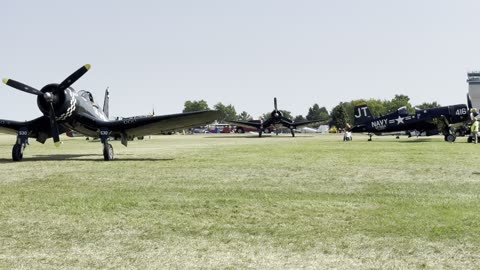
275 103
22 87
73 78
469 102
54 126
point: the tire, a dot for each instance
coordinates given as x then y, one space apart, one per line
240 130
17 152
470 139
107 152
450 138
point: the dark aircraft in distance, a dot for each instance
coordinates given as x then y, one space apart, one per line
65 109
444 119
276 119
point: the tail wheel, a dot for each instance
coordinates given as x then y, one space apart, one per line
107 152
17 152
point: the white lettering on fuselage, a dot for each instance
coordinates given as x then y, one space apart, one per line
379 124
359 110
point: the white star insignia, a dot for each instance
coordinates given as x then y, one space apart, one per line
399 120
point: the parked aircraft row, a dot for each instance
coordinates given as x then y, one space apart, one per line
67 110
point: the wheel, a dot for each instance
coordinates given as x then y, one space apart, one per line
240 130
107 152
17 152
470 139
260 133
450 138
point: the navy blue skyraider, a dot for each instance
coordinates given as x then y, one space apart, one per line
65 109
430 121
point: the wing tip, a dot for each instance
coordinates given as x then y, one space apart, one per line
88 66
5 80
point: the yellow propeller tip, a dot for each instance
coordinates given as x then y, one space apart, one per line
57 144
5 81
88 66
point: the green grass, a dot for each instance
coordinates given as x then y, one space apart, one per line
216 202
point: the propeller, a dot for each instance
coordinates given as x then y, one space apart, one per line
469 102
49 94
275 103
54 126
22 87
73 78
473 111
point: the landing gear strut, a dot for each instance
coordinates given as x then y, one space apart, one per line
293 132
370 139
107 148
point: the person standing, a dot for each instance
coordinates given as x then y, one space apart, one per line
474 130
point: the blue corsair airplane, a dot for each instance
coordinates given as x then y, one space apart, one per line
276 120
65 109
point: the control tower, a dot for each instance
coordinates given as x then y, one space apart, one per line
474 87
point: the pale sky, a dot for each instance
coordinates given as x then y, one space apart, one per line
161 53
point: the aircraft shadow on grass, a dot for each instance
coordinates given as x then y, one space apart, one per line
79 157
254 136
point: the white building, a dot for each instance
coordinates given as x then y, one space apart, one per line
474 87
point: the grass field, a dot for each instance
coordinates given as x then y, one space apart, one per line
235 202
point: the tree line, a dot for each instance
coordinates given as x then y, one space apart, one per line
339 116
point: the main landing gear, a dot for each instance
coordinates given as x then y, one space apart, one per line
17 151
450 138
107 152
107 148
20 145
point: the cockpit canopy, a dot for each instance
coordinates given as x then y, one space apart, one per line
87 95
402 111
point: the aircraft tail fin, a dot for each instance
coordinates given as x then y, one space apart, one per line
362 114
106 102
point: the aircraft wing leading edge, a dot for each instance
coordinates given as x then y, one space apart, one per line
37 128
252 124
143 126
